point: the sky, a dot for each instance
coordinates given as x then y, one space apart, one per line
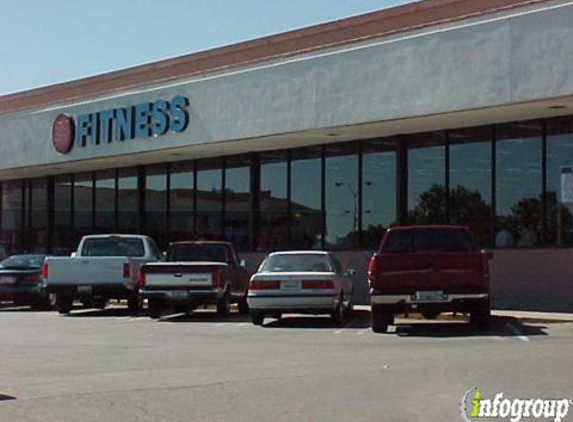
44 42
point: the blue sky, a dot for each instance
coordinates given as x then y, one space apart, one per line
49 41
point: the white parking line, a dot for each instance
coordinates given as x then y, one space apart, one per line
338 331
361 332
517 332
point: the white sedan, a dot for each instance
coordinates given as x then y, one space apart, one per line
310 282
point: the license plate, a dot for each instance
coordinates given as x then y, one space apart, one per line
290 285
85 289
177 295
429 296
7 279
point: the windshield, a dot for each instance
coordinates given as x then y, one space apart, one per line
296 263
113 246
198 252
424 240
23 261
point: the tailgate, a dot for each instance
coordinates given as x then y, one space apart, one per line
86 270
183 274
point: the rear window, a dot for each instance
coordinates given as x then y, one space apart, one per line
412 241
296 263
23 261
113 246
204 252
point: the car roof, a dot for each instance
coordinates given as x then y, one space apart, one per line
313 252
200 242
430 227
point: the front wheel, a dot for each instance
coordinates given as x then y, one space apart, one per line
337 315
480 316
224 305
155 307
381 320
64 304
258 318
243 305
134 304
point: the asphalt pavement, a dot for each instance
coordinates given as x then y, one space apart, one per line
111 366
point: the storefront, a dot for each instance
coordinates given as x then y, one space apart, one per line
319 138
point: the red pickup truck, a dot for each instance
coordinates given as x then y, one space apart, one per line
429 269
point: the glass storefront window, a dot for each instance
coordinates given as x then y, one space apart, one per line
181 201
559 164
518 185
341 200
83 205
64 241
471 181
209 198
237 201
36 230
11 239
127 201
306 209
378 190
156 204
426 179
105 204
274 201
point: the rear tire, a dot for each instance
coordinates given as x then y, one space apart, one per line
243 305
134 304
381 319
480 316
64 304
99 303
258 318
155 307
224 305
337 316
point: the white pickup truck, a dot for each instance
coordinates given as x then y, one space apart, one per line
103 267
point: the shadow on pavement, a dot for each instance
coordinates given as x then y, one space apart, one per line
499 327
359 319
208 315
108 312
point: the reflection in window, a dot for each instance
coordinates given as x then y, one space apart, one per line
237 201
306 214
156 203
559 164
341 206
36 227
470 181
426 179
273 202
83 205
209 198
127 201
11 216
105 201
64 241
518 185
378 190
181 197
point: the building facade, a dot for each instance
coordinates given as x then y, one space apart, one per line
443 111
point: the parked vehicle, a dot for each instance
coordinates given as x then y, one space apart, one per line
103 267
430 269
310 282
21 283
196 273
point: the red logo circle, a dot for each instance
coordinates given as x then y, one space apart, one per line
63 133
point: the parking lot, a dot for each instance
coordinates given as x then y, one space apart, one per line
107 365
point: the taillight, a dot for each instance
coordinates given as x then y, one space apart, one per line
318 284
373 267
30 278
126 270
44 271
216 278
264 285
140 280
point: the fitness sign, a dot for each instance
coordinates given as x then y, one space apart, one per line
145 120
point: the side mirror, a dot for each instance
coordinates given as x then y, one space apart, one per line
243 263
351 272
73 255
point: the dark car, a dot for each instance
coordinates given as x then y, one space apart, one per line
430 269
21 281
